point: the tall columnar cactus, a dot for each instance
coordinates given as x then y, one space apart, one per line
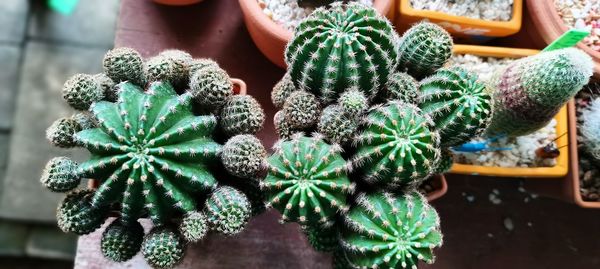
244 156
398 146
121 242
457 103
385 230
163 248
530 91
589 129
124 64
345 46
307 181
242 114
60 175
424 48
401 86
228 210
150 152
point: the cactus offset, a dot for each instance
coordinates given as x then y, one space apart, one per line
60 175
108 87
228 210
77 215
337 126
201 63
301 110
242 114
353 102
423 49
589 129
180 66
282 90
391 231
124 64
283 129
81 90
345 46
194 226
163 248
61 132
85 120
120 242
244 156
210 87
402 87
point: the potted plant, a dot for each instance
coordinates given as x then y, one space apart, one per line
271 37
159 152
457 22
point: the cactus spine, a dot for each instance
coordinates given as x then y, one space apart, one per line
228 210
589 129
244 156
423 49
81 90
242 114
77 215
163 248
60 175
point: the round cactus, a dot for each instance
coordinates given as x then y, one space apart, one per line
159 68
283 129
424 48
307 181
81 90
457 103
61 132
323 239
211 87
124 64
243 156
301 110
398 146
388 231
345 46
107 85
180 66
589 129
282 90
194 226
75 213
337 126
120 242
242 114
400 86
228 210
353 102
163 248
85 120
201 63
60 175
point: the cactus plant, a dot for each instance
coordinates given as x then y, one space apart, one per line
530 91
77 215
307 181
180 66
243 156
60 175
159 68
301 110
324 239
390 231
457 103
445 163
85 120
120 242
210 87
201 63
337 126
398 146
345 46
401 86
194 226
282 90
242 114
163 248
423 49
353 102
228 210
283 129
108 87
81 90
589 129
124 64
61 132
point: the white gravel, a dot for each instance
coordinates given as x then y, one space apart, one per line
582 14
489 10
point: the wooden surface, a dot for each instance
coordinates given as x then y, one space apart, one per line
521 232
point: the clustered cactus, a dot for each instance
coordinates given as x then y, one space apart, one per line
153 130
589 129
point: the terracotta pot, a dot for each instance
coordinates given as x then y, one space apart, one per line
178 2
549 26
271 38
440 187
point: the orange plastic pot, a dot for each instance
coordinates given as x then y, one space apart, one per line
460 25
562 126
440 187
271 38
178 2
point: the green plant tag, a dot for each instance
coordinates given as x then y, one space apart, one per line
63 6
568 39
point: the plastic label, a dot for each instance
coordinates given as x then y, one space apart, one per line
63 6
568 39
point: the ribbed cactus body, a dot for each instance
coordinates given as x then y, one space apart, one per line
342 47
307 181
424 48
244 156
301 110
194 226
391 231
353 102
81 90
124 64
163 248
77 215
61 132
337 126
210 87
228 210
120 242
400 87
108 87
530 91
150 152
398 146
60 175
282 90
242 114
457 103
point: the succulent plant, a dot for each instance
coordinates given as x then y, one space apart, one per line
353 102
61 132
390 231
124 64
301 110
423 49
529 91
244 156
589 129
201 63
282 90
150 152
108 87
307 181
324 239
457 103
210 87
180 62
194 226
345 46
282 127
337 126
121 242
60 175
401 86
77 215
85 120
445 163
242 114
159 68
163 248
228 210
398 146
81 90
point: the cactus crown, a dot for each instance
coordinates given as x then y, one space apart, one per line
163 248
242 114
424 48
345 46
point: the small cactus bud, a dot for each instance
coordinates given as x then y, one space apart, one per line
81 90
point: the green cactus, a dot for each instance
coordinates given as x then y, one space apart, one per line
194 226
589 129
398 146
423 49
61 132
353 102
251 188
282 90
108 87
391 231
337 126
283 129
60 175
324 239
244 156
120 242
81 90
530 91
211 87
307 181
242 114
401 86
77 215
159 68
85 120
150 152
228 210
180 64
163 248
301 110
124 64
343 47
457 103
201 63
